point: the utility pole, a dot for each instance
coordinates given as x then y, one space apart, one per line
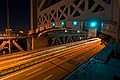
8 27
8 24
31 23
31 14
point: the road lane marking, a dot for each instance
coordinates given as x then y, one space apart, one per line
48 77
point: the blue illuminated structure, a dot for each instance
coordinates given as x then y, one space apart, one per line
102 24
74 23
63 23
93 24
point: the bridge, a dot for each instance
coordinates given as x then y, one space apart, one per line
67 40
82 13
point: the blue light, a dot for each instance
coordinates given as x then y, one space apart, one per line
93 24
75 23
102 24
63 23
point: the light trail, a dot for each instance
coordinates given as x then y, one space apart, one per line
48 56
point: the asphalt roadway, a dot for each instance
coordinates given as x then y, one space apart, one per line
57 67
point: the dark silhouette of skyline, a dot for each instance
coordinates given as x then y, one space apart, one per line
19 11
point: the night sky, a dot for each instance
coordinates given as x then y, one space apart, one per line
19 14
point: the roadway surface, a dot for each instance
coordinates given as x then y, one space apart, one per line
53 66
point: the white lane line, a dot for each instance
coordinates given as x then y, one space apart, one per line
48 77
34 71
